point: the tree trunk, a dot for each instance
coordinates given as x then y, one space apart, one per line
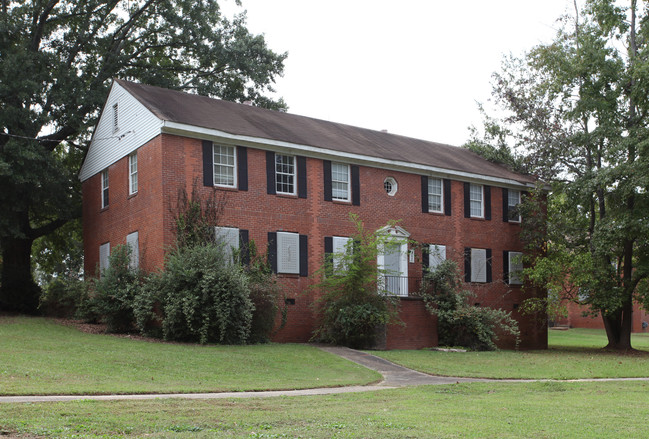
18 291
618 327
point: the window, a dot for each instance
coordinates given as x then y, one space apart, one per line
115 118
132 175
229 238
340 182
104 253
515 268
436 255
435 195
285 174
477 265
224 166
513 200
340 249
104 189
132 240
390 186
475 200
288 253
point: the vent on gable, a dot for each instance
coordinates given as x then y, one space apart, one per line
115 118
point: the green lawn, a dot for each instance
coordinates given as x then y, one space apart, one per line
500 410
39 356
573 354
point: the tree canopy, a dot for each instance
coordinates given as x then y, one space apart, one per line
57 58
577 114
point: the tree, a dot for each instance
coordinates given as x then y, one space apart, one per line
579 106
56 61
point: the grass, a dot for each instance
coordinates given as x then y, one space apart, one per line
478 410
573 354
39 356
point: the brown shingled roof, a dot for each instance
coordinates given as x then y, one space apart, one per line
246 120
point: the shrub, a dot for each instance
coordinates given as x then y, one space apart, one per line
459 323
264 294
352 306
62 297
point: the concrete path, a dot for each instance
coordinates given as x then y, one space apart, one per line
393 376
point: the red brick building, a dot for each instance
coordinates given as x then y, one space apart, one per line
289 182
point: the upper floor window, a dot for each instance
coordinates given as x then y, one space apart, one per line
285 174
104 188
224 165
390 186
513 200
340 182
435 195
476 201
132 174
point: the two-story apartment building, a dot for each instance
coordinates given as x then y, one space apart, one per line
289 182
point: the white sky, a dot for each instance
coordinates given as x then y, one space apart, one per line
413 67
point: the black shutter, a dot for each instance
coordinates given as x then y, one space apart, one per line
244 250
304 255
272 251
326 170
242 167
447 197
208 164
329 249
467 200
487 202
356 186
270 172
505 205
424 194
425 258
467 264
506 266
301 176
489 275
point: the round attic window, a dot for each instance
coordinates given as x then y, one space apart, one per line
390 186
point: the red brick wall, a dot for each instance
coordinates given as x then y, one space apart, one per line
419 330
577 319
150 212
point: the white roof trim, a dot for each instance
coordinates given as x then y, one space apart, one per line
209 133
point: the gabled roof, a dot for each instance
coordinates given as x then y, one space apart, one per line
259 123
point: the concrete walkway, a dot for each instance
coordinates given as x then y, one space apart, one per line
394 376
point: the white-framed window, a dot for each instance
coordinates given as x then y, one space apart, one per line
476 200
513 200
104 188
478 265
390 186
133 242
132 173
228 237
288 253
436 255
285 174
104 257
515 268
435 195
225 165
340 179
115 118
341 245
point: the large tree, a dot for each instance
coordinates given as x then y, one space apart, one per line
57 58
577 109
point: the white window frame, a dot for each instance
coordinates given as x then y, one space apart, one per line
436 255
432 195
341 247
288 253
221 178
473 199
479 265
229 238
132 174
288 178
104 257
338 186
133 242
511 206
390 186
105 193
515 268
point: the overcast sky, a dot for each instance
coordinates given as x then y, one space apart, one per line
412 67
